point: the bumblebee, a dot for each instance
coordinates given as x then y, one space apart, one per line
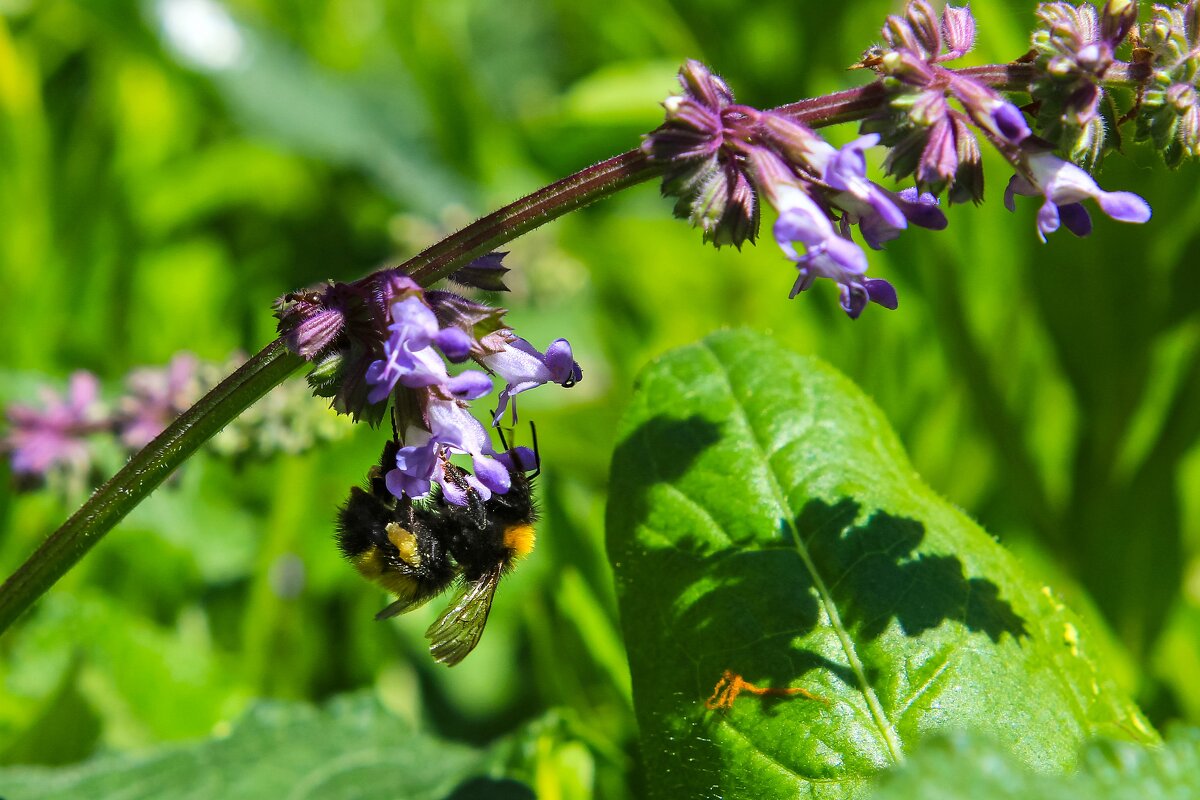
418 550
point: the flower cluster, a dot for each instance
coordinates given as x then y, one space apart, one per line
53 439
1170 112
386 340
720 157
1075 47
60 441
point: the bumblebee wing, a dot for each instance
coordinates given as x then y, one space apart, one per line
456 632
403 606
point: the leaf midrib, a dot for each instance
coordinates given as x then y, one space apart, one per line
890 737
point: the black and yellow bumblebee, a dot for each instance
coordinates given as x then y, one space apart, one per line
416 550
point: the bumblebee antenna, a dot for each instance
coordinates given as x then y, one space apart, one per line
537 454
503 441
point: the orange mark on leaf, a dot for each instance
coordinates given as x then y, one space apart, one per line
731 685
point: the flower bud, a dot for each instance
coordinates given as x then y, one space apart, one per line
1116 20
925 26
968 180
486 272
1181 97
795 141
1082 105
1189 131
958 29
698 81
899 35
1088 146
939 159
310 321
452 310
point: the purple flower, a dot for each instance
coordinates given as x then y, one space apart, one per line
41 440
987 109
1064 186
417 465
522 367
156 397
921 209
700 144
863 201
827 255
410 360
421 462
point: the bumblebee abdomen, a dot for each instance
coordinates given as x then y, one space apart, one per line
519 539
360 523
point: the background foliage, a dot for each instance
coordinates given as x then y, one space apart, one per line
161 183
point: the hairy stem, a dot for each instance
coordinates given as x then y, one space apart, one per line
151 466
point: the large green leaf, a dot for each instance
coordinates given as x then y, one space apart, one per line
352 749
764 519
966 766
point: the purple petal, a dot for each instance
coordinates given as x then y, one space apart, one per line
840 255
1010 122
518 362
1075 218
502 406
470 385
455 343
454 426
921 210
1047 219
854 300
519 459
882 203
492 474
804 282
454 494
849 164
881 292
423 368
1010 192
316 332
401 484
802 221
82 393
414 321
1124 206
382 380
562 366
417 460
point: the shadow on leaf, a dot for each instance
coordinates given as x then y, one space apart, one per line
746 609
874 574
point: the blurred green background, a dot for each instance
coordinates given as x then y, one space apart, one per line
169 168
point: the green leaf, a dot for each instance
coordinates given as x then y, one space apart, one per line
967 766
352 748
764 519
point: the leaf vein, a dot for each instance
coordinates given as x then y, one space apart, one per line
879 717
